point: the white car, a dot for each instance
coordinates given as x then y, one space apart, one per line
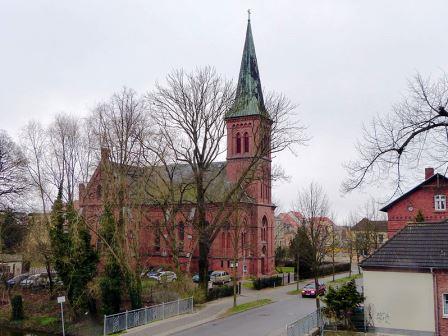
164 276
34 280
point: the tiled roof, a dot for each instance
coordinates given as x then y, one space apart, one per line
377 225
437 177
417 246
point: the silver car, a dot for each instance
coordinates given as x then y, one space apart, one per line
164 276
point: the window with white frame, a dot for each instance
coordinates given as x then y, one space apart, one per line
445 304
440 202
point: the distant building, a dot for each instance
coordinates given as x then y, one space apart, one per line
286 224
406 281
428 197
11 264
374 231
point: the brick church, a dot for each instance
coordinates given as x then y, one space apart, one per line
256 257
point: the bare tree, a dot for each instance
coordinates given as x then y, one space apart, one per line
415 131
13 181
193 107
315 233
121 127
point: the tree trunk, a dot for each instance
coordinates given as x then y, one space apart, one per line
50 278
204 250
316 284
234 282
332 260
298 271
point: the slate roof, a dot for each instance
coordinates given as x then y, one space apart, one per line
146 193
416 246
427 181
378 225
249 95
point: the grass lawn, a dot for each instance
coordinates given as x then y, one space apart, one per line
344 280
285 269
294 292
246 306
248 285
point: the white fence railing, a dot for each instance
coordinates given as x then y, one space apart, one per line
306 324
134 318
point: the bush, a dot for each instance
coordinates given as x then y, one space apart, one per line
273 281
341 302
325 269
219 292
17 308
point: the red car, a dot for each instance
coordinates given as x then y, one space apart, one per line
310 290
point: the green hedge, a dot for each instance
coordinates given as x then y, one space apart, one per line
325 269
219 292
17 308
273 281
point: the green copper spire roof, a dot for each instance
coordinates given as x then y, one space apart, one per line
249 96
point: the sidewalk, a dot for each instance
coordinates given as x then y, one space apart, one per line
215 309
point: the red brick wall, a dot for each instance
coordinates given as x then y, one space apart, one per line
441 281
422 199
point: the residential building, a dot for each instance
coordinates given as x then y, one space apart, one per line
371 234
243 120
10 264
428 197
406 281
286 224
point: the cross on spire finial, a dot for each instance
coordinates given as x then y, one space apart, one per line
248 14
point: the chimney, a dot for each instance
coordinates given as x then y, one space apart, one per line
429 172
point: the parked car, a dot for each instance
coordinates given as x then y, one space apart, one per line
219 277
32 281
164 276
16 280
310 290
195 277
153 271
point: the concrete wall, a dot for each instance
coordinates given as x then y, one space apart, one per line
400 300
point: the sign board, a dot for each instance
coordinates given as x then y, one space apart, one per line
61 299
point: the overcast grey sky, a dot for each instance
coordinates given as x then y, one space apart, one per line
341 61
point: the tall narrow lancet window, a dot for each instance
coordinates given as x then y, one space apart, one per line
246 142
238 143
181 229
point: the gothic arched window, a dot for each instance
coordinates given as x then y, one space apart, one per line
238 143
264 229
181 229
246 142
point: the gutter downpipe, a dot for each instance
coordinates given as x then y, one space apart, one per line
436 300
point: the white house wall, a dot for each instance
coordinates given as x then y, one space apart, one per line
400 301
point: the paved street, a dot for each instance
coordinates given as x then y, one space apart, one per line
267 320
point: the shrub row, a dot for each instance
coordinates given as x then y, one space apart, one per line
273 281
219 292
325 269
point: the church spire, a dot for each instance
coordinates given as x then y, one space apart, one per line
249 96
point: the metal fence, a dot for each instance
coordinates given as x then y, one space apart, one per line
306 324
134 318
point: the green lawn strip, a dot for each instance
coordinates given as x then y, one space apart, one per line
341 281
285 269
294 292
248 305
248 285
